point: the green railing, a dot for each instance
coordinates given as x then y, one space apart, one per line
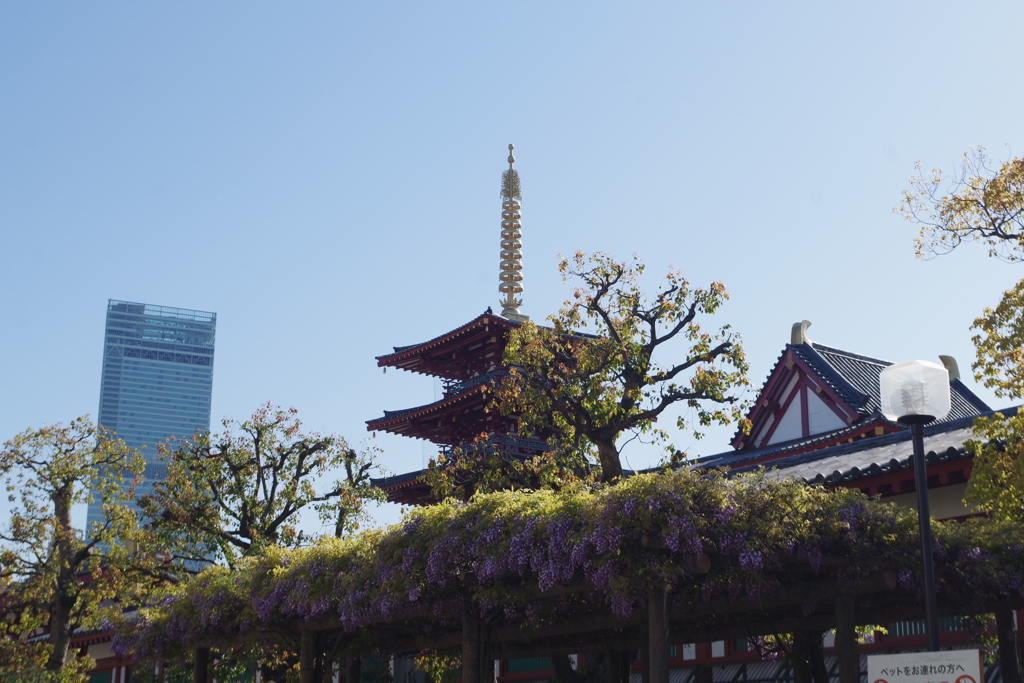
916 628
528 664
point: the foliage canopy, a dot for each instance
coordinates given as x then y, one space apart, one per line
982 202
480 467
232 494
42 558
999 361
511 553
997 480
601 368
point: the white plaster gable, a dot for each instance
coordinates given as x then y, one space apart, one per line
821 418
790 425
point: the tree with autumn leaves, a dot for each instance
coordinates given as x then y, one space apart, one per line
614 359
51 576
228 495
983 201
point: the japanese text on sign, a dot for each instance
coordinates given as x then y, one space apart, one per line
952 666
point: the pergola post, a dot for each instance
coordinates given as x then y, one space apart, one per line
307 657
200 665
354 671
645 658
486 660
470 648
846 640
657 635
1009 665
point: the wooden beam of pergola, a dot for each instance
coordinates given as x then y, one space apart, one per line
593 623
873 599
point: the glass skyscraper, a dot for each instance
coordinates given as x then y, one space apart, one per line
157 379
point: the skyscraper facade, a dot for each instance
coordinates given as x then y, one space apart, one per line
157 379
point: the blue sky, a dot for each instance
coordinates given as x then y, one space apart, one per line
325 177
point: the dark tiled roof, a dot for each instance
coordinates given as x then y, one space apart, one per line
397 479
855 378
417 476
457 392
735 458
866 457
398 350
852 376
390 415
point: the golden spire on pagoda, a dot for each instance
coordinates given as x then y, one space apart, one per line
511 277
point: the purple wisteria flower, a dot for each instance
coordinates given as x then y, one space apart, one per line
499 553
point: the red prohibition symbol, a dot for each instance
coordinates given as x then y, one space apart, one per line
966 679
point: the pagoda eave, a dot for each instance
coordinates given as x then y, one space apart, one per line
449 421
406 489
445 356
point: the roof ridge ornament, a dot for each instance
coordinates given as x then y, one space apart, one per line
952 368
510 279
798 335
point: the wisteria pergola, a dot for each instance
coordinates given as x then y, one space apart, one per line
658 559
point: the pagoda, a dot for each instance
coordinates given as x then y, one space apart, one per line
469 362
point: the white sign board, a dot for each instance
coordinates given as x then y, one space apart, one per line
951 666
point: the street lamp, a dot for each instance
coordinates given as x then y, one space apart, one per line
914 393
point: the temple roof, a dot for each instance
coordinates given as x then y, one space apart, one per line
429 357
394 418
413 421
851 387
409 488
855 378
400 351
814 442
943 441
397 479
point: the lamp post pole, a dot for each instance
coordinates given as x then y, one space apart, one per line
917 423
914 393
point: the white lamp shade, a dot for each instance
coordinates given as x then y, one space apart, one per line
914 387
